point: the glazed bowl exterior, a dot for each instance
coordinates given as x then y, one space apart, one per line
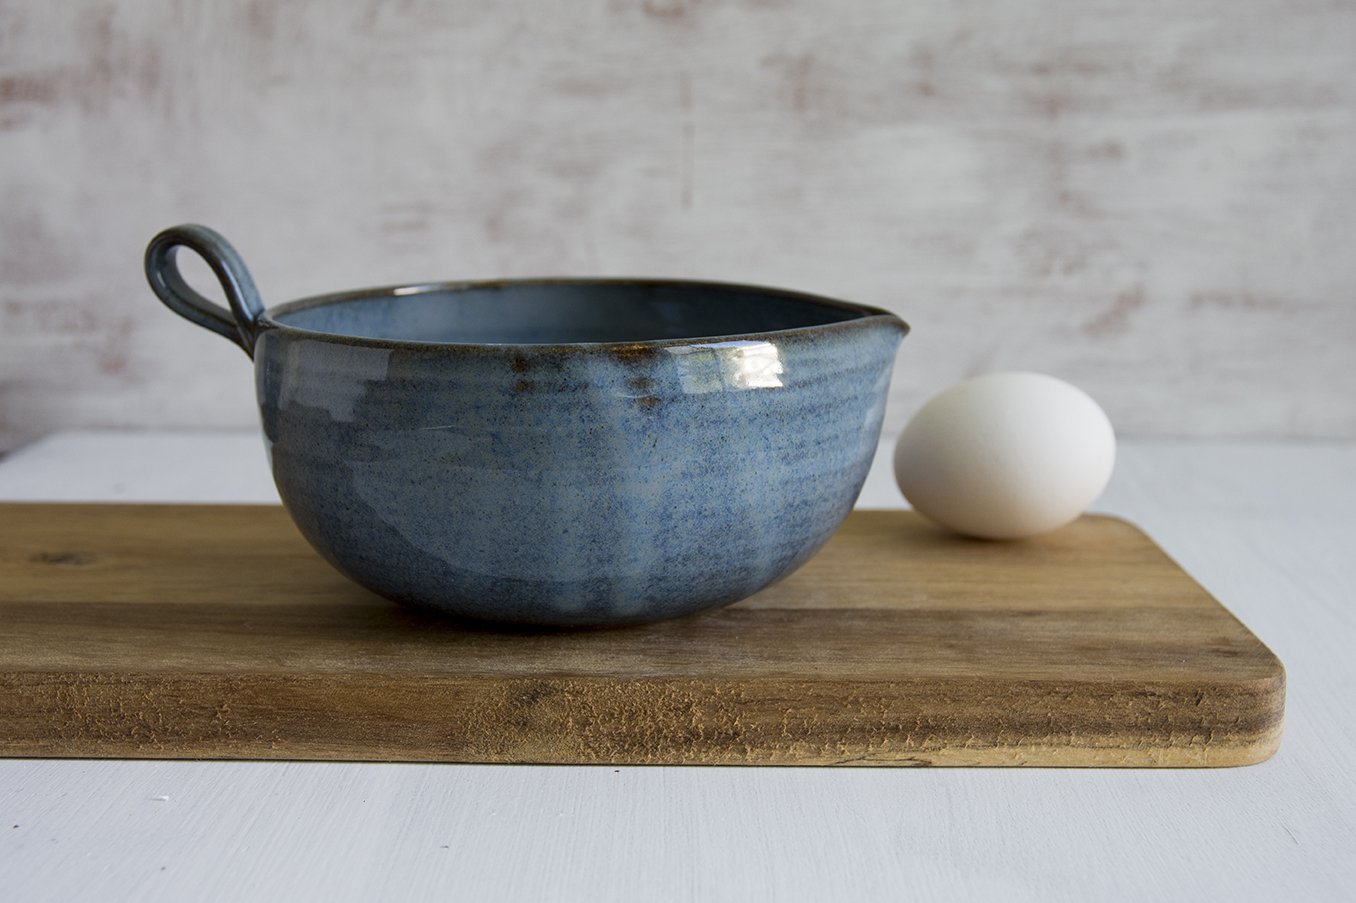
562 452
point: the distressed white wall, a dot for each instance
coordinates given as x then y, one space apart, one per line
1156 200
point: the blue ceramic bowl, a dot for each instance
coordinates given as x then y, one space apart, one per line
560 452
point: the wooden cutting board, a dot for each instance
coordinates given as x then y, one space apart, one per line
215 632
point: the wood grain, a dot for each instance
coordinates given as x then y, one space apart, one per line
214 632
1154 201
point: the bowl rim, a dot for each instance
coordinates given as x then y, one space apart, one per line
864 315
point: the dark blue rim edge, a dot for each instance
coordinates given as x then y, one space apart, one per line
864 315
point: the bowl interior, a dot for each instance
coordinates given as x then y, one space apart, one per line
562 312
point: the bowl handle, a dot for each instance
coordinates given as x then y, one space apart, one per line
240 324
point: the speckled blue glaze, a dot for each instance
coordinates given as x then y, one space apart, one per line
560 452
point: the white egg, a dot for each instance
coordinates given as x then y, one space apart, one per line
1006 455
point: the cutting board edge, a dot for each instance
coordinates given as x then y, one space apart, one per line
647 721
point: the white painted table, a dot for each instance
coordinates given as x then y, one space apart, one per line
1268 528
